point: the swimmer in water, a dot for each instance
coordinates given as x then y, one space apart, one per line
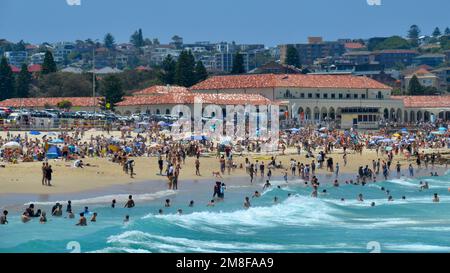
211 204
82 221
275 199
403 197
390 198
127 219
160 211
180 211
25 217
71 215
314 193
267 185
247 203
383 189
94 217
336 183
342 199
167 203
360 197
436 198
256 194
372 204
130 203
113 203
43 218
324 192
191 204
289 194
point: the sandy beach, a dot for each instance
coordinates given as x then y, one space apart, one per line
26 178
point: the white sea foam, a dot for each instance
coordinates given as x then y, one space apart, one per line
294 211
417 247
105 199
176 244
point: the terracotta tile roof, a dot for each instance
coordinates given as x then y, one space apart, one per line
291 80
424 101
354 45
14 69
161 89
35 68
41 102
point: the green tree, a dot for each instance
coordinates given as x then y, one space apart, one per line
185 69
49 65
200 72
168 70
415 88
6 80
238 64
394 42
23 82
112 90
447 31
436 32
64 105
137 38
109 41
413 35
292 57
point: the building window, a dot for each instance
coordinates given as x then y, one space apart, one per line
325 96
167 111
340 96
302 95
309 95
158 111
317 95
333 96
355 96
347 96
363 96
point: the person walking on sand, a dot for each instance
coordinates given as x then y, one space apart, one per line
48 175
44 174
197 167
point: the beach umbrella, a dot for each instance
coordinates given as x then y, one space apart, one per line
57 141
35 133
386 140
323 135
12 145
404 130
294 129
442 129
396 135
322 129
389 148
438 133
128 149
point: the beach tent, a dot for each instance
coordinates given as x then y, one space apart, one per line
35 133
53 152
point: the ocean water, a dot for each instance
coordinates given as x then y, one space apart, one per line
297 223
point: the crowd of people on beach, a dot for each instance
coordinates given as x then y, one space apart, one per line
319 147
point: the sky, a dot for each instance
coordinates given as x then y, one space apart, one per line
270 22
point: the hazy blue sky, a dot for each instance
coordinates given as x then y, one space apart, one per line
245 21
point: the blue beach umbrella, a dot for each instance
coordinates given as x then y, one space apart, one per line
35 133
57 141
442 129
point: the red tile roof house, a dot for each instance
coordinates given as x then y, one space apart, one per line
153 100
314 98
421 108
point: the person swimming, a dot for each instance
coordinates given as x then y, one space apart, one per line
360 197
25 217
247 202
336 183
113 203
127 218
372 204
94 217
160 212
424 186
436 198
211 203
390 198
130 203
82 221
267 185
167 203
256 194
191 204
275 199
180 211
43 218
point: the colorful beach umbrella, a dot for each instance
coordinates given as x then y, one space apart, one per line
12 145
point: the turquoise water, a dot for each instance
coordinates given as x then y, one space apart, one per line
298 223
